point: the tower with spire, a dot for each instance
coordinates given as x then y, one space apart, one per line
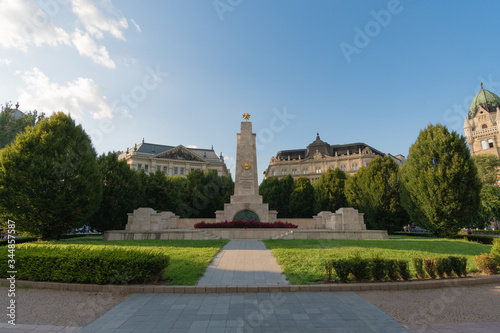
482 123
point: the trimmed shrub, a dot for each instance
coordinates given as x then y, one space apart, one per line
495 250
21 240
392 269
443 266
418 264
245 224
458 265
378 268
403 268
86 264
342 269
360 268
486 263
430 267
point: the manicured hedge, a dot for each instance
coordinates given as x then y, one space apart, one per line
85 263
21 240
380 269
245 224
488 240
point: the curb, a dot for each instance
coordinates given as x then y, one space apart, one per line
139 289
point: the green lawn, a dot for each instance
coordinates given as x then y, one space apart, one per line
188 259
303 260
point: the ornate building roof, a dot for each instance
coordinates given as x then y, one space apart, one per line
485 99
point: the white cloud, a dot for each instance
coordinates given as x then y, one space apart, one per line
86 46
136 25
79 97
28 23
95 22
4 61
192 146
25 24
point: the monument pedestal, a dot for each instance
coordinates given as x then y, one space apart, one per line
246 203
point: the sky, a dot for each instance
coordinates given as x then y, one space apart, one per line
183 72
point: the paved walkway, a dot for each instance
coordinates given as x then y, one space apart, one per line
243 263
251 312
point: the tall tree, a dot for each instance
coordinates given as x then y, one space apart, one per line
270 191
122 193
487 168
10 126
286 188
302 198
49 179
440 185
329 191
374 190
489 208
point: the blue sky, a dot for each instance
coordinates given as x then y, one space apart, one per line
183 72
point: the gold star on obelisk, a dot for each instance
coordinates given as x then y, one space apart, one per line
246 116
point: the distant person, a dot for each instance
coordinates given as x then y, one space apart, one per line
469 230
408 227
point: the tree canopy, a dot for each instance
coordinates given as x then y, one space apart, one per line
440 184
10 126
329 191
49 179
375 191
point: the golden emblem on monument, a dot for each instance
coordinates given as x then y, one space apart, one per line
246 165
246 116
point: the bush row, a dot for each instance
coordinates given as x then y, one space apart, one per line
488 240
245 224
84 263
21 240
380 269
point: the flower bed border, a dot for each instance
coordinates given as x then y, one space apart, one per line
245 225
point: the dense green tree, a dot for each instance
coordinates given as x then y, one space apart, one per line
122 193
329 191
10 126
440 184
206 193
49 179
374 191
158 194
487 168
302 198
270 191
286 188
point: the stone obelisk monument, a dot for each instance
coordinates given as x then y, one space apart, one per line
246 203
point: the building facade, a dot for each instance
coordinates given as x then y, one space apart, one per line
320 156
481 124
173 161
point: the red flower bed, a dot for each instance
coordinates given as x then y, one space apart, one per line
245 224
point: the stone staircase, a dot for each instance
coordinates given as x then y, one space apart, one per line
207 235
285 235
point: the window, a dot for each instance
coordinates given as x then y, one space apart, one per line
284 172
294 171
343 168
304 171
484 145
490 143
158 168
318 170
484 126
182 171
139 166
355 166
146 168
367 164
176 170
165 169
273 173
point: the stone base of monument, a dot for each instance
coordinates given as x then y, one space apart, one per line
146 223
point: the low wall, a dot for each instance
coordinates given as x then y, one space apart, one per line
235 233
301 223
